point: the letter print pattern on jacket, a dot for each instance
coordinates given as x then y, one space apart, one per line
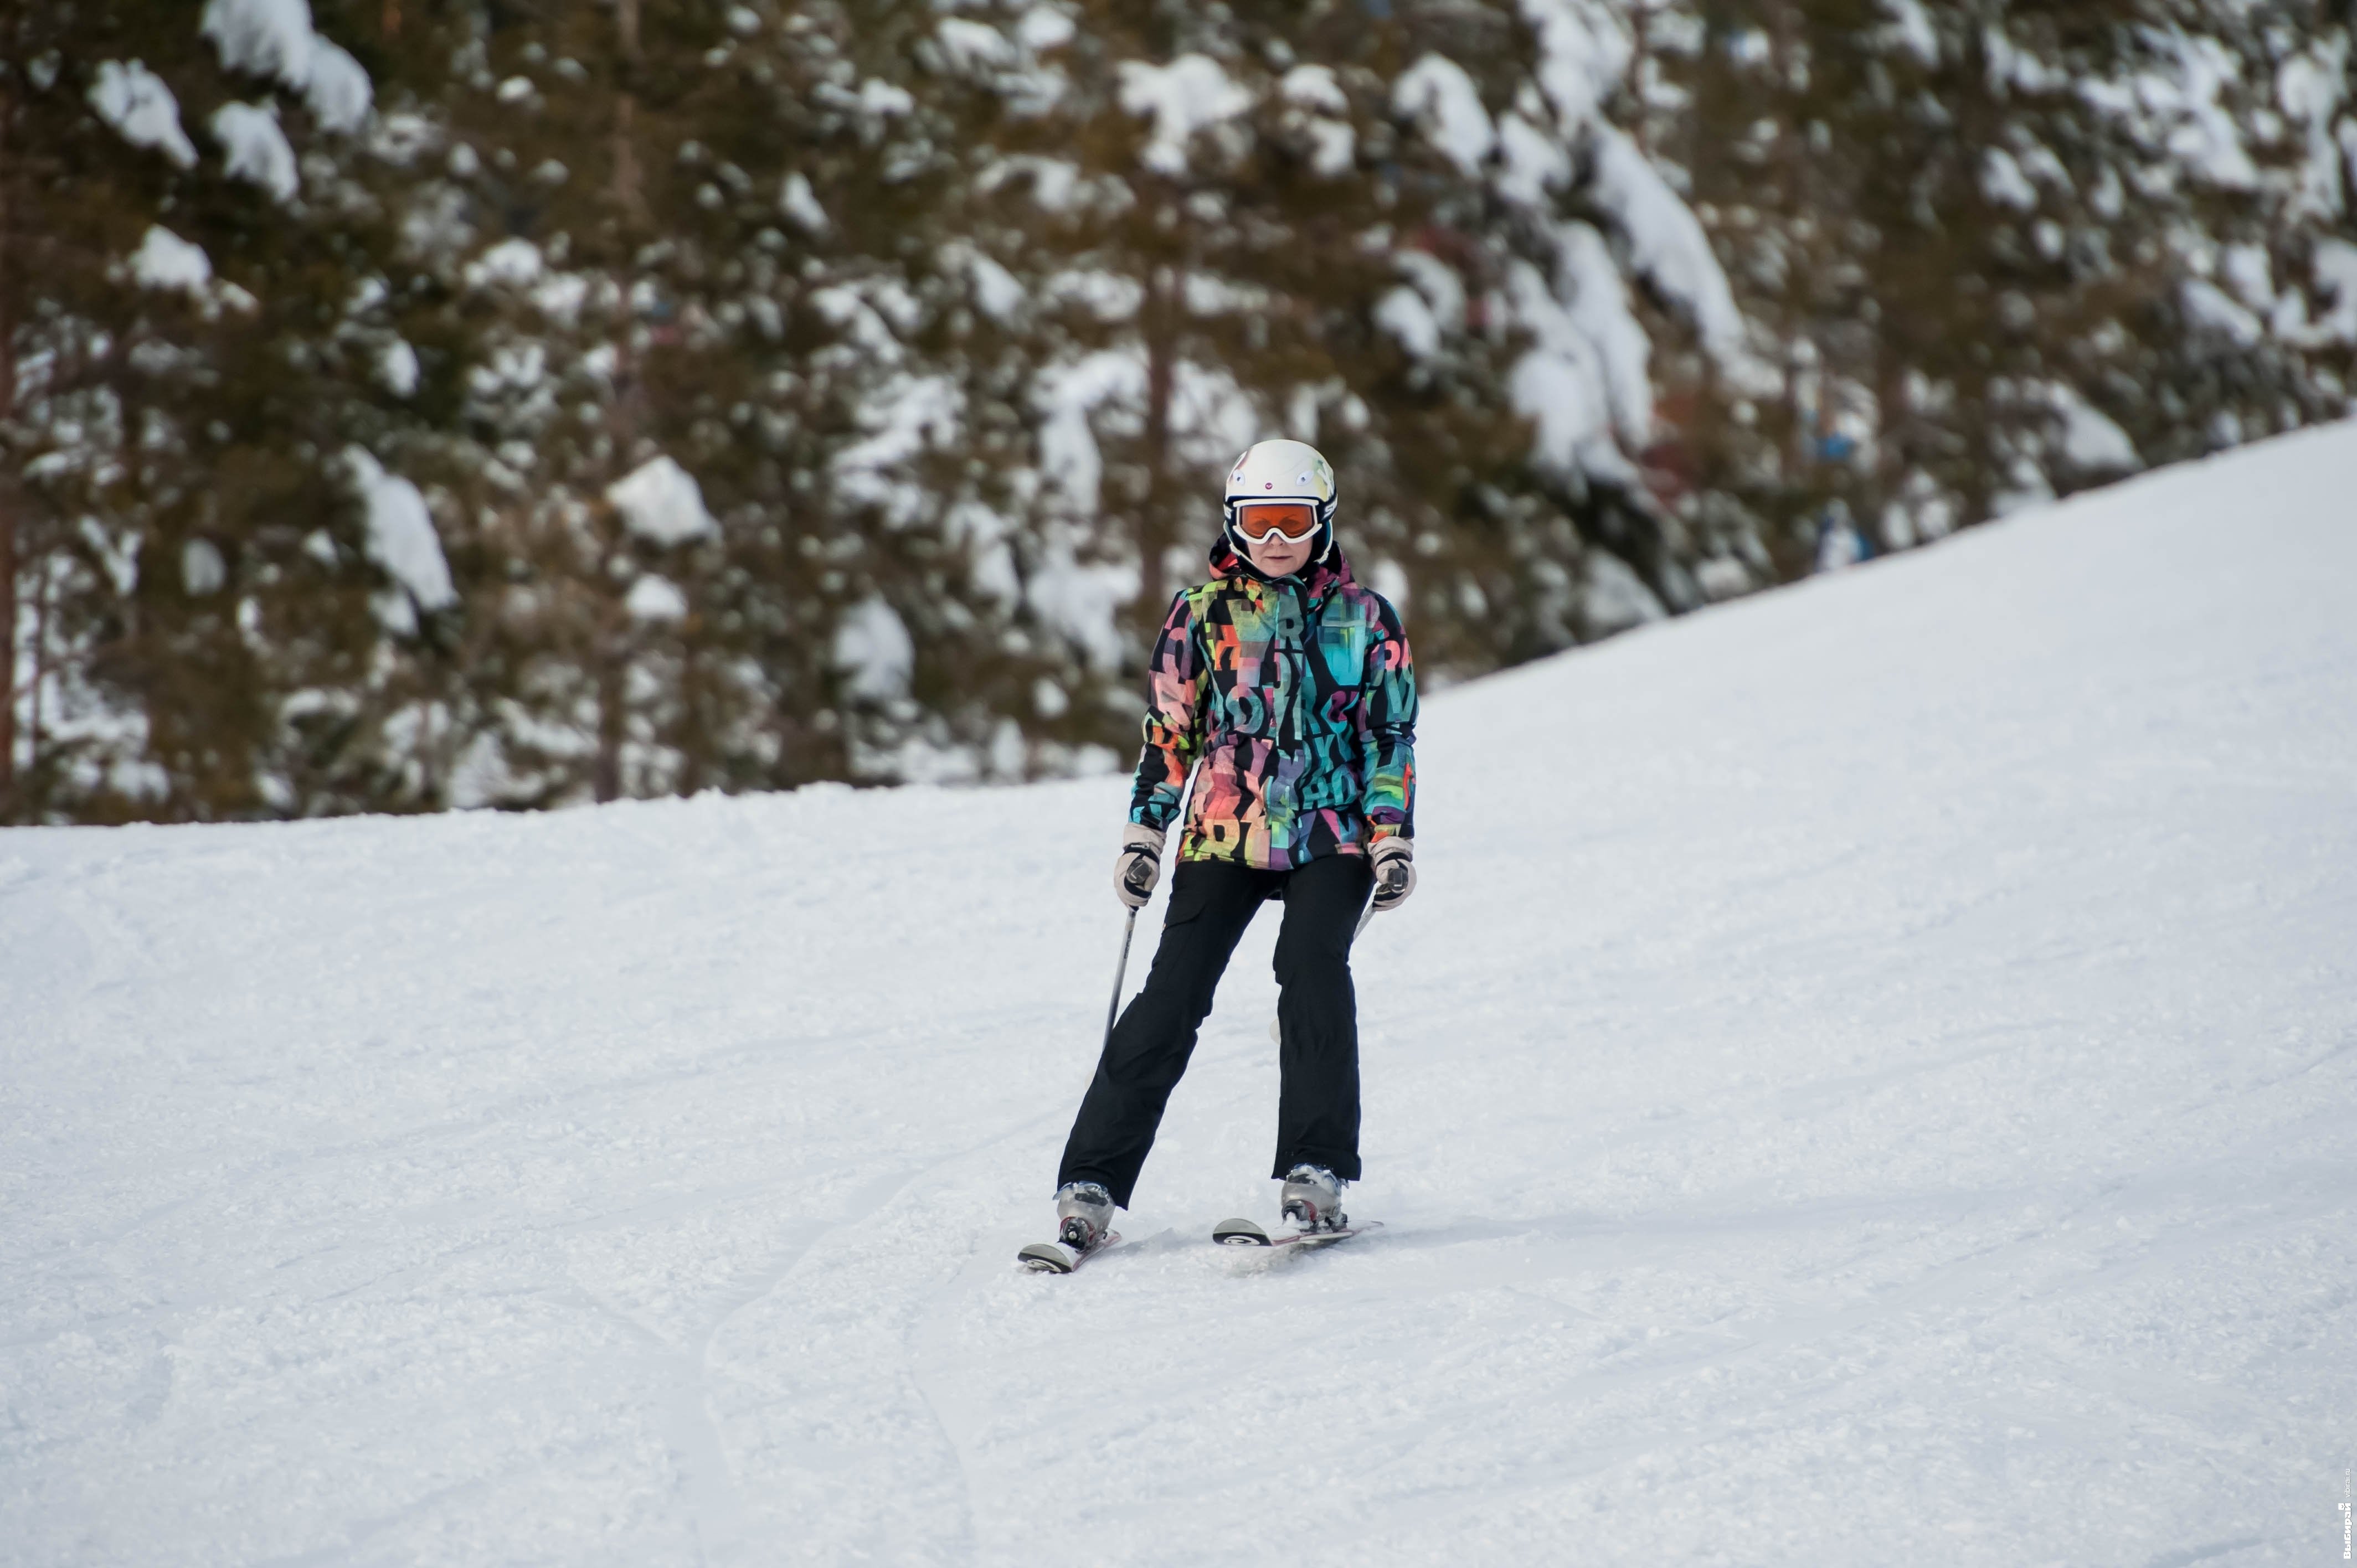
1298 697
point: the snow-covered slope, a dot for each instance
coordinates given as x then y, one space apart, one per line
1868 1077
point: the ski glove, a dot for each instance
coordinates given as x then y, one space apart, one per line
1140 865
1395 861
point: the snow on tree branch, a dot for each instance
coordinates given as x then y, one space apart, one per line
137 103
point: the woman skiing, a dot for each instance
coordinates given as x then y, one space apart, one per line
1286 688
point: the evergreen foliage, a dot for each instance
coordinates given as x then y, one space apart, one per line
433 403
2007 251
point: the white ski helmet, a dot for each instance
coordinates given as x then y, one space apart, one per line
1283 471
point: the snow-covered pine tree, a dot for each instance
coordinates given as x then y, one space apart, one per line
535 240
185 256
681 262
485 405
2002 253
941 669
1198 228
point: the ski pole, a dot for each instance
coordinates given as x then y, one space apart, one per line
1120 973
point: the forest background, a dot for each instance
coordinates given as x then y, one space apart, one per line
417 404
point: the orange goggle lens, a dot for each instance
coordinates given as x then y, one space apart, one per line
1294 520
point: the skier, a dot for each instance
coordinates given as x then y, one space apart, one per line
1287 687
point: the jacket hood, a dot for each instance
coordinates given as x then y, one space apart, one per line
1321 578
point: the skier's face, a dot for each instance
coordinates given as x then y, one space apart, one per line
1278 556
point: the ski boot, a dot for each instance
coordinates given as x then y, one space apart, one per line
1313 1199
1083 1214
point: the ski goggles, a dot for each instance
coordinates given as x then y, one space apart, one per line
1289 519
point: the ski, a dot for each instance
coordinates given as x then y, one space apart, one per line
1246 1233
1055 1258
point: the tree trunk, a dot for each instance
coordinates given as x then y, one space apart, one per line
41 641
1153 522
8 511
606 771
609 652
7 641
626 193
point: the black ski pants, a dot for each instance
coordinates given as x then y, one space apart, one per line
1211 902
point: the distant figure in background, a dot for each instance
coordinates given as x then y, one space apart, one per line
1286 688
1839 543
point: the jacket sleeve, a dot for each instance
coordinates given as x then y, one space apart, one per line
1387 710
1174 715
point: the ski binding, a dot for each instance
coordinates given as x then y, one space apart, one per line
1248 1233
1055 1258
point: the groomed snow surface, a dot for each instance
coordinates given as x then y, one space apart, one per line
1867 1079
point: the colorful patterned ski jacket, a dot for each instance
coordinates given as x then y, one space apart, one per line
1296 696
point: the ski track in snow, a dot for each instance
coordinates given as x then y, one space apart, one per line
1868 1077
